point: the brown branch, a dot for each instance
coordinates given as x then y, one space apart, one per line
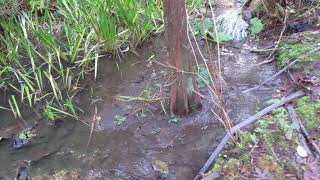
243 124
303 132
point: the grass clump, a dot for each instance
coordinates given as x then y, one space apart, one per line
309 112
48 48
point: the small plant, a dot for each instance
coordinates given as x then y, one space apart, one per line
14 107
26 134
256 26
309 112
119 119
203 77
173 119
50 113
206 28
45 53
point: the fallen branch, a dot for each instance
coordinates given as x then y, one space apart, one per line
243 124
296 122
302 130
283 69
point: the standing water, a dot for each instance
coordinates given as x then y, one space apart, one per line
141 145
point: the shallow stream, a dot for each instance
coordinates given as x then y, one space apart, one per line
146 145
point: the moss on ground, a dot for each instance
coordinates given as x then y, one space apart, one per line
309 111
270 149
295 46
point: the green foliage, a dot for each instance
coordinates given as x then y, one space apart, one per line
280 115
44 54
194 4
38 5
201 28
118 119
203 77
256 26
293 48
220 37
206 28
50 113
26 134
247 137
277 128
308 110
291 52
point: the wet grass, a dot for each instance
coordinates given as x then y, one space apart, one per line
49 47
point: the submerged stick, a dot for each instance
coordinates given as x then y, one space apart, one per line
243 124
282 70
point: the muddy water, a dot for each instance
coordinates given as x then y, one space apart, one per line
145 146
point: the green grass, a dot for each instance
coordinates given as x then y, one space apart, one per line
47 48
46 52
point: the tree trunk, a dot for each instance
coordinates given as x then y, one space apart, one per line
183 98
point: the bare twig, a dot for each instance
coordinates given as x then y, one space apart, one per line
281 35
94 120
283 70
243 124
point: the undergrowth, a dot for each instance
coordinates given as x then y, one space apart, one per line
48 47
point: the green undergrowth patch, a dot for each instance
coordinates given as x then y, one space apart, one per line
205 28
266 152
49 48
256 26
297 45
309 112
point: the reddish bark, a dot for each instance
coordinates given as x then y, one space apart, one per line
180 56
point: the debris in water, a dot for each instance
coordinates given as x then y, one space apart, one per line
22 138
302 152
232 23
160 166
